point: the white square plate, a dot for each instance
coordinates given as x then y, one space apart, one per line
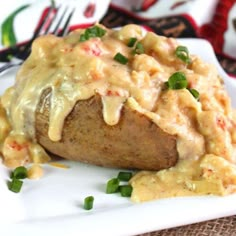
53 204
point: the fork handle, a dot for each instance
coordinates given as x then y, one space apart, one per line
9 65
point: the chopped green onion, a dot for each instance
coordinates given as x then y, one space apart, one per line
82 38
120 58
19 173
182 53
194 92
92 32
125 190
96 31
177 81
88 202
112 186
131 42
15 185
124 176
139 49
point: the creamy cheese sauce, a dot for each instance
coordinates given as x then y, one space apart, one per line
74 70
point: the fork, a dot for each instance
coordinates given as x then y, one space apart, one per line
50 24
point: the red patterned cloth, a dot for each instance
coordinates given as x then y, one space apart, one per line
221 32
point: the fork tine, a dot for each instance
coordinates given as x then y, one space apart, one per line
8 66
42 24
51 20
65 27
26 50
55 30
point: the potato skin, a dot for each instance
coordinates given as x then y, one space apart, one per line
134 143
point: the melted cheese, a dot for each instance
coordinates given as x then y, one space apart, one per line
75 70
209 175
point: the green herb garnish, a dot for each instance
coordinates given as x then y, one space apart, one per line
88 202
177 81
15 185
182 53
194 92
131 42
92 32
112 186
19 173
83 38
124 176
125 190
139 49
121 58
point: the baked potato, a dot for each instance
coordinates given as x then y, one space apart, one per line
135 142
116 98
71 97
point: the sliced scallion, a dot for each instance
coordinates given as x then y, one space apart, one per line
124 176
19 172
83 38
88 202
177 81
131 42
15 185
182 53
139 49
96 31
194 92
121 58
92 32
112 186
125 190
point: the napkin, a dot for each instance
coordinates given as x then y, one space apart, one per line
213 20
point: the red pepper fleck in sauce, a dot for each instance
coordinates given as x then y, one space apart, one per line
112 93
16 146
92 49
221 123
